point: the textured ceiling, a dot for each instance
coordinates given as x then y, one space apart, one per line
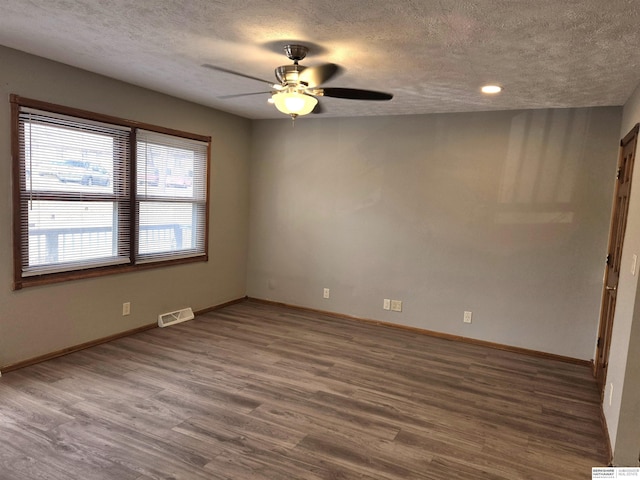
433 55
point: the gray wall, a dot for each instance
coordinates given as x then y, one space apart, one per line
40 320
622 394
504 214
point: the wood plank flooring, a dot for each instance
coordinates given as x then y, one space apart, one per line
256 391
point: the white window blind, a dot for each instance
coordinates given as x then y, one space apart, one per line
171 174
98 194
74 201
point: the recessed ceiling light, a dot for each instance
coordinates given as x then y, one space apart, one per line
491 89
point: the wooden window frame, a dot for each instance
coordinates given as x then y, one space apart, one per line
20 281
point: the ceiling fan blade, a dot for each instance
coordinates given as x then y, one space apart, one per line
355 94
314 76
225 70
225 97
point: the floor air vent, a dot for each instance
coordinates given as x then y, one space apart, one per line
171 318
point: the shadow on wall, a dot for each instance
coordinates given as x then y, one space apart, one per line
545 147
539 177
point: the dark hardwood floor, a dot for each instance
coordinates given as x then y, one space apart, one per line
255 391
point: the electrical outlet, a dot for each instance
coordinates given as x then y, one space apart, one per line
396 305
326 293
386 304
467 317
126 308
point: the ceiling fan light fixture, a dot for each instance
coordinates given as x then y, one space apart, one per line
298 86
294 103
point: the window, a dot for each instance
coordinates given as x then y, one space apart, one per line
78 211
171 196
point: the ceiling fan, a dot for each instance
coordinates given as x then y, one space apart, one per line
299 86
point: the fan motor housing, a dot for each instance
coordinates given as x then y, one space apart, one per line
289 74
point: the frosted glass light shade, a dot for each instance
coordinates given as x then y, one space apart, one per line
294 103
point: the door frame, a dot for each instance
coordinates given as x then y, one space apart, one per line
617 229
